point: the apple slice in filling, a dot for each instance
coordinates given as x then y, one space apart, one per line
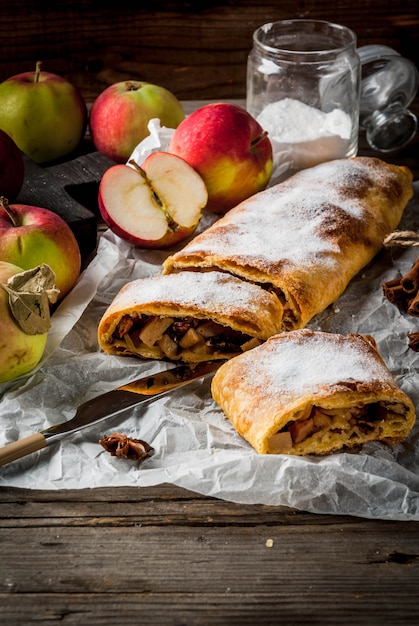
180 338
352 424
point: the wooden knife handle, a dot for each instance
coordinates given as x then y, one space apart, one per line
18 449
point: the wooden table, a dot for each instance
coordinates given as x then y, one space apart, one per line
164 556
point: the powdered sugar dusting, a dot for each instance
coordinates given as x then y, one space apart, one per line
284 223
306 362
208 291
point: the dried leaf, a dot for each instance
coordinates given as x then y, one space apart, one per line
30 295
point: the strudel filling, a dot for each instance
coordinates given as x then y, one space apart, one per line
319 426
179 338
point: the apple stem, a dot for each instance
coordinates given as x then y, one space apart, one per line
261 137
143 173
37 71
138 168
4 203
132 85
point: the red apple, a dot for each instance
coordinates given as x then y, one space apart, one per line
153 206
31 236
12 167
120 115
229 149
43 113
19 352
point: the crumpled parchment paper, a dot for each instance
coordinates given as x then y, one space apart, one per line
195 446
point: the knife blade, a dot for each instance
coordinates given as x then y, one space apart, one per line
141 391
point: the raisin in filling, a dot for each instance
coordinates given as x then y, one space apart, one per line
175 337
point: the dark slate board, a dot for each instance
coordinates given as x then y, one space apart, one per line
69 189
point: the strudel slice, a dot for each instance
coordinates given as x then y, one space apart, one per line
189 316
308 236
304 392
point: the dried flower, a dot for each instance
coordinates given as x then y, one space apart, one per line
30 295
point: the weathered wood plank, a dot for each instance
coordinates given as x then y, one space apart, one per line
162 505
197 50
225 575
226 609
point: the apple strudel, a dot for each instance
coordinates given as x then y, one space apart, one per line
306 237
189 317
306 392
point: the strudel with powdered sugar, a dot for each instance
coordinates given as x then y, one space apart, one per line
306 237
189 317
309 392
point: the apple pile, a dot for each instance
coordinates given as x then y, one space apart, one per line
120 115
229 149
32 236
155 205
217 157
43 113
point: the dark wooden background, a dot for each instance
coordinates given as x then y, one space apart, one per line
198 50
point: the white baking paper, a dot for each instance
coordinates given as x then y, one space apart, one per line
195 446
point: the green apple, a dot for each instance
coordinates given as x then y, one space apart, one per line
43 113
229 149
20 352
31 236
120 115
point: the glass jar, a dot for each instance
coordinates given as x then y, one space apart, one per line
388 86
303 86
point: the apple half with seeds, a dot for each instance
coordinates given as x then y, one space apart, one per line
155 205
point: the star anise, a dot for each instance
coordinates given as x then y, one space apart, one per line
414 341
125 447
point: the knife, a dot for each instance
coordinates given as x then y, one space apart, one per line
141 391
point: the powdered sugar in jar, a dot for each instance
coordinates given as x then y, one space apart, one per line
303 86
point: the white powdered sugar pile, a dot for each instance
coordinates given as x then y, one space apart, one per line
303 136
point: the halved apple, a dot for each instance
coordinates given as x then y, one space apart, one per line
155 205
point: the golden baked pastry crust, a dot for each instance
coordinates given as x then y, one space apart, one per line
308 236
224 315
305 392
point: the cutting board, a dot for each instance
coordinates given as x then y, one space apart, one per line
70 189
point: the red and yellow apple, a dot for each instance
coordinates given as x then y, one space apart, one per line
120 115
31 236
155 205
43 113
229 149
12 167
19 351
